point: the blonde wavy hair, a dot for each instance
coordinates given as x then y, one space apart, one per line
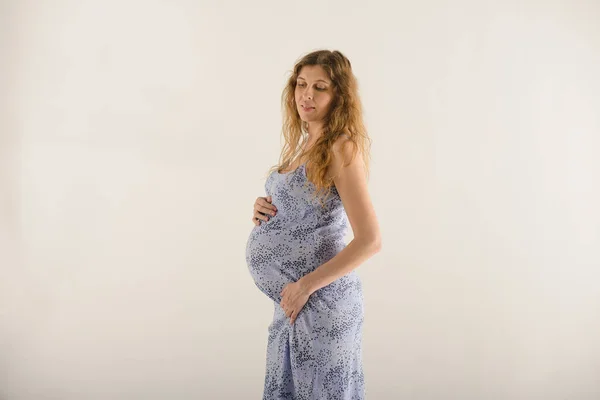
345 116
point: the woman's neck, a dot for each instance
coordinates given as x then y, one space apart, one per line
314 130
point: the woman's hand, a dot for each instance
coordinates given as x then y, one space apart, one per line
294 297
263 206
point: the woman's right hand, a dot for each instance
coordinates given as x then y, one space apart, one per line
263 206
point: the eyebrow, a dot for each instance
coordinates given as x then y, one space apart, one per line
321 80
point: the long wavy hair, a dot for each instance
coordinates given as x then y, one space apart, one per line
345 116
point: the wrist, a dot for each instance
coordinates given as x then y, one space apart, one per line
307 283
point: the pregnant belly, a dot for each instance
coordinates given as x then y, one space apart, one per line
278 257
271 263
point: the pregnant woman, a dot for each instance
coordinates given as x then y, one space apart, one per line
296 252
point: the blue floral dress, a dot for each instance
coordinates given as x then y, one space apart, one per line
320 355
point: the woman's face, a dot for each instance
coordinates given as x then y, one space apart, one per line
314 93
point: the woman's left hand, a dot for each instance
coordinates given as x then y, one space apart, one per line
294 297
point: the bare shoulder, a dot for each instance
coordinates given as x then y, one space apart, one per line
342 153
350 180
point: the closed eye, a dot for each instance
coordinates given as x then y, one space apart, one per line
318 88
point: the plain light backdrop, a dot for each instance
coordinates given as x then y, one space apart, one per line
135 137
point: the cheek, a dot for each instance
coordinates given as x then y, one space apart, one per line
325 104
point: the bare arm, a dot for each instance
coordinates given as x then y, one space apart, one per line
351 185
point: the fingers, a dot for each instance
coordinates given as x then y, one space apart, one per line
265 210
268 200
289 311
283 303
256 220
262 209
286 310
263 204
259 217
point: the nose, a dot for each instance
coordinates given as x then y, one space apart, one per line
308 93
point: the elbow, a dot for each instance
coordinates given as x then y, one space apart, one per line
376 244
373 244
370 241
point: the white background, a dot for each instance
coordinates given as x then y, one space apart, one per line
135 137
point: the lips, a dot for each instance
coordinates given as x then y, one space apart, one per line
307 108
